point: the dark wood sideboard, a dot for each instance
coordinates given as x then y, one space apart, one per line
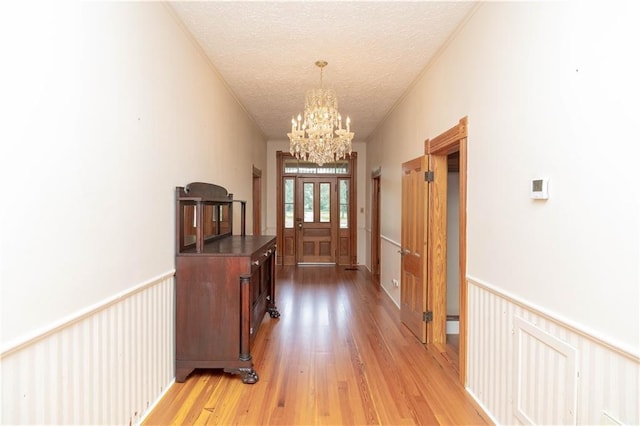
225 283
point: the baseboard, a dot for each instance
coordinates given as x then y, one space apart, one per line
453 327
156 402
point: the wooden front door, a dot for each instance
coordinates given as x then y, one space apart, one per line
413 291
316 219
320 228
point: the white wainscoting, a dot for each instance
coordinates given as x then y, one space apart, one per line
528 367
107 365
390 268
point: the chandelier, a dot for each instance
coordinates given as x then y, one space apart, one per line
320 137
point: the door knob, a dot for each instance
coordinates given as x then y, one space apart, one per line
300 225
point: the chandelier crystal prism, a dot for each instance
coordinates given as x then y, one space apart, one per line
319 136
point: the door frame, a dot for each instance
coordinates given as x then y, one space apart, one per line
350 247
449 142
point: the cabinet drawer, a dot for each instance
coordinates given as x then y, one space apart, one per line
259 258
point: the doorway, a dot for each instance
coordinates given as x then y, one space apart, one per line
451 148
375 225
316 211
257 201
424 252
453 252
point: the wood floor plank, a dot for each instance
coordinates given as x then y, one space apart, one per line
337 355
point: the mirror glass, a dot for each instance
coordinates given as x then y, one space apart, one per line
224 218
210 221
189 230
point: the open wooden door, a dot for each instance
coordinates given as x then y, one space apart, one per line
436 242
424 249
413 290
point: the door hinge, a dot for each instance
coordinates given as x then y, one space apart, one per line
428 176
427 316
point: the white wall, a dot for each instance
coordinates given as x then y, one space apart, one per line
550 89
106 108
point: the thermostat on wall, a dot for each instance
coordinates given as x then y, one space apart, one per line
540 189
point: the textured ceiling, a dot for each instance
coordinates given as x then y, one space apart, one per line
266 50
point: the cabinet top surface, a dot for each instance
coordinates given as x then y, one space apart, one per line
234 245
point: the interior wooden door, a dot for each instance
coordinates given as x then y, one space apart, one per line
413 291
436 239
316 219
257 201
375 227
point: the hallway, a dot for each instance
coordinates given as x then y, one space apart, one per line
337 355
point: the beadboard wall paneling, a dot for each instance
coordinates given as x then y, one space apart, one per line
528 367
107 365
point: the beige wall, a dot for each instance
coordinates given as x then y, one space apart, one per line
550 89
108 107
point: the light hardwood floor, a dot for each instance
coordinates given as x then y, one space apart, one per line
338 355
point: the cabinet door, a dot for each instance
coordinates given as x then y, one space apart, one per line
265 276
256 285
258 299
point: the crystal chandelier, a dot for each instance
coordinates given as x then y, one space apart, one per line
325 140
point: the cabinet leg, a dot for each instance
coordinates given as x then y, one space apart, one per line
248 375
182 373
273 312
